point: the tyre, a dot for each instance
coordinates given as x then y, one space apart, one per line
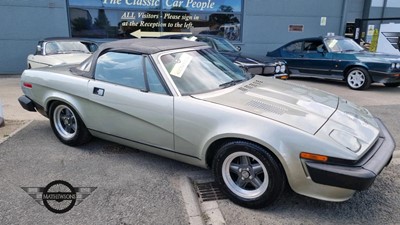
358 78
248 174
67 125
392 84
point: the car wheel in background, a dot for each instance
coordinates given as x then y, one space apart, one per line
358 78
248 174
392 84
67 125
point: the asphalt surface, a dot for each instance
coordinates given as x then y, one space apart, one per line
135 187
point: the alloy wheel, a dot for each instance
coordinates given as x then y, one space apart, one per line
356 79
65 122
245 175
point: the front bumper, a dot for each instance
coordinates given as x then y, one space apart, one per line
385 78
360 175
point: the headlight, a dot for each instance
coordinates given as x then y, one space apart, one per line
393 65
277 69
397 65
283 68
346 139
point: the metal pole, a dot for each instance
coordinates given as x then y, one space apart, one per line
357 30
343 18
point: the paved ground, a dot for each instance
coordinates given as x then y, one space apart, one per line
134 187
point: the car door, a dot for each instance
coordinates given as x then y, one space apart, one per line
308 57
292 54
129 101
316 59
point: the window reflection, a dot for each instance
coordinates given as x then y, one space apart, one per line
101 19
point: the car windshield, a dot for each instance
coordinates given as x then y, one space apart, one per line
201 71
64 47
224 45
343 45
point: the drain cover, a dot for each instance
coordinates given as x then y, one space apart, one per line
208 191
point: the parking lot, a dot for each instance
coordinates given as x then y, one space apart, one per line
134 187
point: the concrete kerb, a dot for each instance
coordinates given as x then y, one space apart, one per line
191 202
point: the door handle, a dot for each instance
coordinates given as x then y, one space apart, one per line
98 91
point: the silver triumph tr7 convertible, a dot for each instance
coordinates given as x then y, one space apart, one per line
182 100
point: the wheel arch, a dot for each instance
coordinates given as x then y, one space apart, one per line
53 100
349 67
216 144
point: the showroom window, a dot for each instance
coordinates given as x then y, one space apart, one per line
153 18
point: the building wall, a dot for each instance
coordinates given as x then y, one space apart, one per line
266 22
23 23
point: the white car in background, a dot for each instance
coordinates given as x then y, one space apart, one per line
58 51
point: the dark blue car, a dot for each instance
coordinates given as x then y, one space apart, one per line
339 58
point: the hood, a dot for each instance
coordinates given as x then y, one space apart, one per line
376 57
68 58
304 108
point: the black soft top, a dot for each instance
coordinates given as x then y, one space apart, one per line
150 45
65 39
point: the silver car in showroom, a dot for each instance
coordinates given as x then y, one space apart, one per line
182 100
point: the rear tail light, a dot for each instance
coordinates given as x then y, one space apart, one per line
27 85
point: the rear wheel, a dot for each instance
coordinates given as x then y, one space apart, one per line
248 174
67 125
358 78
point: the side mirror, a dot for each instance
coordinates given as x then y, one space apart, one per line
39 49
321 50
239 48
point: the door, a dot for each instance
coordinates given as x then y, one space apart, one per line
129 101
308 58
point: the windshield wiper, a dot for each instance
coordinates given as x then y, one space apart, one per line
231 83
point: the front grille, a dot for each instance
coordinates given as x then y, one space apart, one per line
269 70
255 70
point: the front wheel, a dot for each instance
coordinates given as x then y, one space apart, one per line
67 125
248 174
358 78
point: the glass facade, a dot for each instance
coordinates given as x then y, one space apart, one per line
153 18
